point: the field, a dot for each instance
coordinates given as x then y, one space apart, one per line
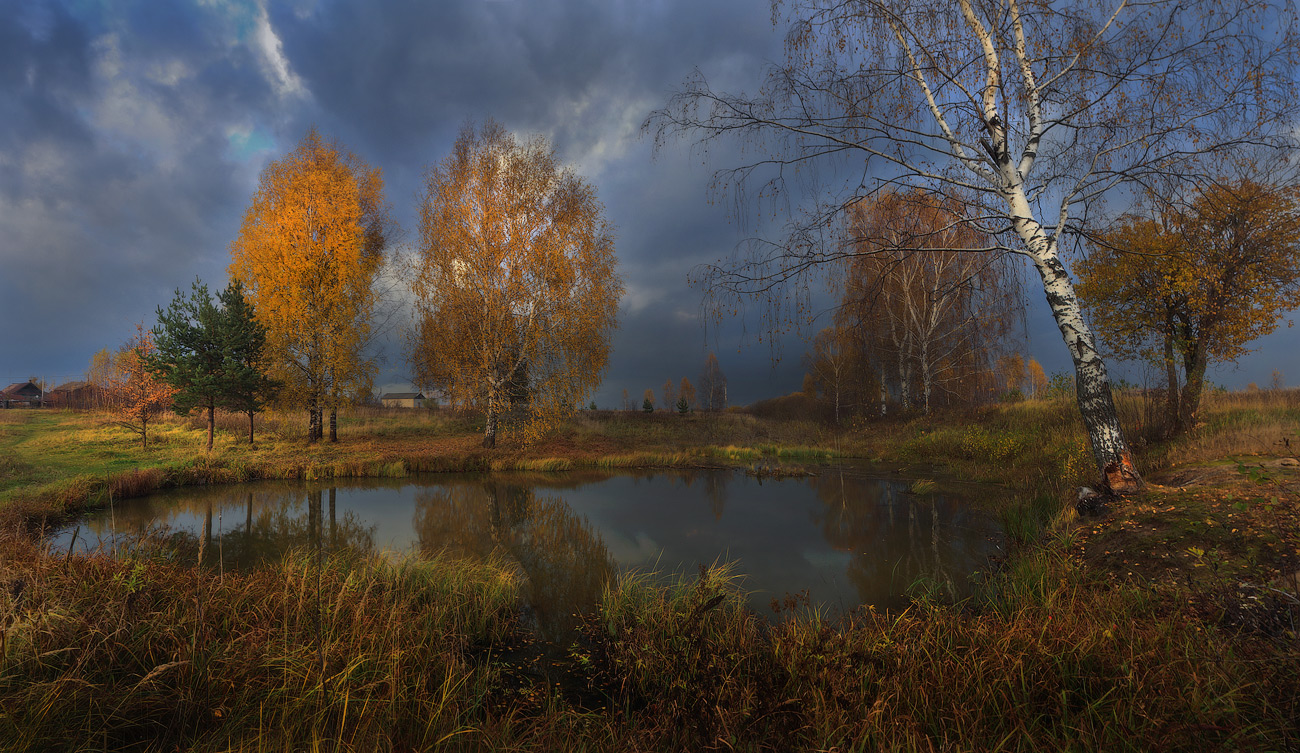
1169 622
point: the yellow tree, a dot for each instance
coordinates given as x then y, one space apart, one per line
310 248
686 396
1011 372
837 369
515 286
918 296
1038 112
138 394
1037 379
1197 283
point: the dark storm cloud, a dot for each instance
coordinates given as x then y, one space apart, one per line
115 181
134 131
397 85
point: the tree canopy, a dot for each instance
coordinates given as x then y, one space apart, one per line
1194 282
311 245
515 281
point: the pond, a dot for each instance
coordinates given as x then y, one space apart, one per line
845 537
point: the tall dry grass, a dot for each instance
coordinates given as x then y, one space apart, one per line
146 653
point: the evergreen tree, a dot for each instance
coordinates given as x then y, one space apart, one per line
190 354
248 388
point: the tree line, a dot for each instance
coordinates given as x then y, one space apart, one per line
514 284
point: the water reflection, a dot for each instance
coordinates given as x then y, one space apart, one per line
844 536
893 537
564 562
236 527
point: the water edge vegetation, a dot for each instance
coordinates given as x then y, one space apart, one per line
1166 623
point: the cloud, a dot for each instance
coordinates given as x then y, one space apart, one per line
134 132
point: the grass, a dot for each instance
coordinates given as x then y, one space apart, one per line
1168 623
57 464
147 653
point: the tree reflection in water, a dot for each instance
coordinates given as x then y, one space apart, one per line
273 521
846 536
896 539
565 563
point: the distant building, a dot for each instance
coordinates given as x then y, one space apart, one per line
74 395
402 400
20 394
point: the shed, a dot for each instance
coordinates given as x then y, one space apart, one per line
402 400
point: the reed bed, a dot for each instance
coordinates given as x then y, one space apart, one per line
145 653
1049 662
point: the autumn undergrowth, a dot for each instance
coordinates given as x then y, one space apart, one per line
1048 661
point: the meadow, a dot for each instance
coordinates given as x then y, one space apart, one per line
1171 621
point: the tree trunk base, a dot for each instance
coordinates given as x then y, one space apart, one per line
1122 479
489 443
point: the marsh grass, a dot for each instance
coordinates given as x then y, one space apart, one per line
1050 662
145 653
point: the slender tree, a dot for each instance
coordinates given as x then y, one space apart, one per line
835 370
933 315
1038 112
1037 380
310 248
138 394
713 385
515 275
248 388
102 372
648 400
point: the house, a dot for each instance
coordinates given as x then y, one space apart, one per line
74 395
20 394
402 400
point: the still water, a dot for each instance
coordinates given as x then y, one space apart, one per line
844 537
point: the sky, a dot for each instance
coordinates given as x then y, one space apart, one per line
132 133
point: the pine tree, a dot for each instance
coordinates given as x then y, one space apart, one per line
189 353
247 388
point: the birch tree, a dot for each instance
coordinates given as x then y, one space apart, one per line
934 313
713 385
837 369
311 246
515 281
1038 111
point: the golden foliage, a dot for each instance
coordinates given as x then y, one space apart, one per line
1197 283
516 290
923 301
311 245
1037 379
1218 273
686 393
138 395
